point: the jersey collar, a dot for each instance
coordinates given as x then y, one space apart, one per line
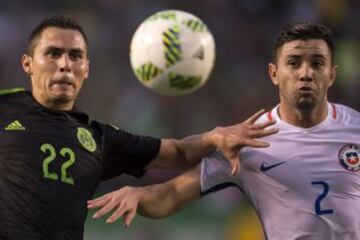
73 113
332 115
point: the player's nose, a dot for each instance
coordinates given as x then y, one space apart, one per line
64 63
306 73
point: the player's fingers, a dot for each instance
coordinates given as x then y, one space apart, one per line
235 167
232 157
128 218
263 125
105 209
98 199
98 202
262 133
118 213
254 117
256 143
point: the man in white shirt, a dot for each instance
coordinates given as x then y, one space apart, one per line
306 184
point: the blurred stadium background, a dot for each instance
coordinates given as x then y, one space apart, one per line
244 31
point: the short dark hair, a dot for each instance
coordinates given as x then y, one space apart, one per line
303 31
59 21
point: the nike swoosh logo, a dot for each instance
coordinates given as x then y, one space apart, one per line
265 168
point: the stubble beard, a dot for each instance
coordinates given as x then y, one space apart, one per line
60 100
306 104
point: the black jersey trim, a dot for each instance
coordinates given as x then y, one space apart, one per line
221 186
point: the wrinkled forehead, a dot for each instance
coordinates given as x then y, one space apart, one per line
312 47
61 38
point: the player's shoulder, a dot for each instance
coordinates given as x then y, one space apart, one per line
14 99
267 116
215 161
12 93
346 114
111 132
105 127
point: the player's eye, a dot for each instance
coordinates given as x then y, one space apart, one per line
317 63
293 63
76 55
53 53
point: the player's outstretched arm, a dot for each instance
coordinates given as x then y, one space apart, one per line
189 151
154 201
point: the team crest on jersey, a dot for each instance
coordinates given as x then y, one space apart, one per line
349 156
86 139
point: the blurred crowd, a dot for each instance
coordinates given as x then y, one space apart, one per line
244 32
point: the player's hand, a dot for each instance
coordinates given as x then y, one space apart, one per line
233 138
124 202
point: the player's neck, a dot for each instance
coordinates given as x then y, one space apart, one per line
304 118
55 105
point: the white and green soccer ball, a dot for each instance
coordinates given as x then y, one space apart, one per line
172 52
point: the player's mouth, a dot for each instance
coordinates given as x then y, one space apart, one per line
306 90
62 83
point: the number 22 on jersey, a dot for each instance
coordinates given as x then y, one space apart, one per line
65 153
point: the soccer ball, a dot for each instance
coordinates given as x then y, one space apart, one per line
172 52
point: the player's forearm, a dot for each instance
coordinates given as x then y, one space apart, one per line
184 153
230 140
158 201
155 201
194 147
161 200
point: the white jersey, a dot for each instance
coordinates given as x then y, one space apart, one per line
306 185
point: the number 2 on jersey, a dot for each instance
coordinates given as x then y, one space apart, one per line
321 197
66 153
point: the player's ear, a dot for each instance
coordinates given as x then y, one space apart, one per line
26 61
87 68
333 72
272 70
